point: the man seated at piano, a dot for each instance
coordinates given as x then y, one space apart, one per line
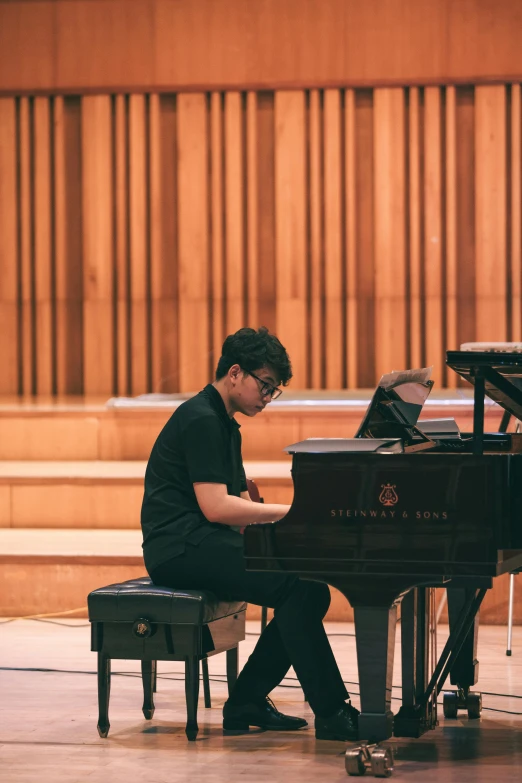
196 503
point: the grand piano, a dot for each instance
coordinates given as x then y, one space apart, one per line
397 510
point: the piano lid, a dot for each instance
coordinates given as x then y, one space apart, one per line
346 446
501 370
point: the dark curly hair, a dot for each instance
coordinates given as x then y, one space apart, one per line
253 350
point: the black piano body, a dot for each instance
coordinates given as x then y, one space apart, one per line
380 524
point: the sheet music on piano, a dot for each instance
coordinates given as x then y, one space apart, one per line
396 406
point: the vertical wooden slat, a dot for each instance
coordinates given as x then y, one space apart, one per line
451 229
68 245
28 385
290 189
164 249
252 310
156 337
154 165
43 272
60 243
516 214
390 250
121 229
218 324
414 205
490 212
365 220
352 337
333 242
266 278
139 256
465 187
316 316
193 241
97 202
9 347
433 272
234 213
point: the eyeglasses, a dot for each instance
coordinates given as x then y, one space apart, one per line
267 388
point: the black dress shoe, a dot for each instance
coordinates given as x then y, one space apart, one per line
342 725
237 719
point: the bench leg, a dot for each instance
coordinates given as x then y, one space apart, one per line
104 691
191 694
232 668
155 677
148 671
206 682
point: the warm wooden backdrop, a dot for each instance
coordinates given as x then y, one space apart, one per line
133 45
370 228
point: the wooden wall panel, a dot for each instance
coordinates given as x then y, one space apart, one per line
370 229
9 223
452 260
317 355
291 229
235 203
218 329
390 231
350 199
146 45
465 211
98 245
515 218
43 249
193 241
123 382
365 236
491 213
139 247
334 277
434 293
26 261
252 211
415 202
67 224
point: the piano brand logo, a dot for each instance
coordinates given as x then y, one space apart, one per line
388 496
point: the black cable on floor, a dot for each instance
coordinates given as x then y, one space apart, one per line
181 678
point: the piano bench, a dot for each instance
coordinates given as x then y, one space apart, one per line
137 620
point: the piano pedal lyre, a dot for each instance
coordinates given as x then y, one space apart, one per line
462 699
376 758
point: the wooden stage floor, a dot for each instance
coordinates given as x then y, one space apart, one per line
48 721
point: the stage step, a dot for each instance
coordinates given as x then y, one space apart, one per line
44 571
82 494
83 429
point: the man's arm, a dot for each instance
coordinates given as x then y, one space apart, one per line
218 506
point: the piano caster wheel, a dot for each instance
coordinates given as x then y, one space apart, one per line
450 704
474 704
462 699
382 762
378 759
354 761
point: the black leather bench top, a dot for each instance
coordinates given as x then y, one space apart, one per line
128 601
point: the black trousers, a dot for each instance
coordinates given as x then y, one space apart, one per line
295 637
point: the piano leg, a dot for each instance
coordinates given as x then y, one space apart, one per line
375 642
413 718
464 672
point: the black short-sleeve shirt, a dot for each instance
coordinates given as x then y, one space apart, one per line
200 442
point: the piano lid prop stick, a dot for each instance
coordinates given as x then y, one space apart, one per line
478 411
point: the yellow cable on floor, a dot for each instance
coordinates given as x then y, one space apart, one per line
49 614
